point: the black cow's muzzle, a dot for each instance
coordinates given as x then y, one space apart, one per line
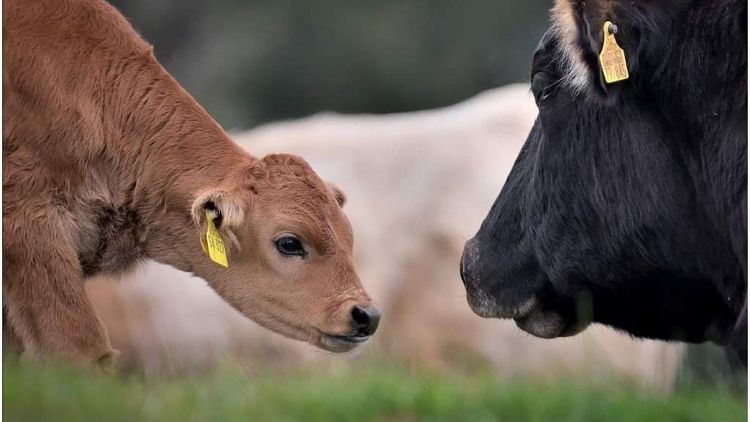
486 299
495 288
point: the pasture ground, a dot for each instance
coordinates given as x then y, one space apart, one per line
55 392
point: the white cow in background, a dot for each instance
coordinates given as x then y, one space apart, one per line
418 185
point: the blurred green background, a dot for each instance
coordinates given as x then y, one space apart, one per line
252 61
378 393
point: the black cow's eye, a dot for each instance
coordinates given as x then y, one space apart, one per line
290 246
543 85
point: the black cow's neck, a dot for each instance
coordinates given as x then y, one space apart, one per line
700 87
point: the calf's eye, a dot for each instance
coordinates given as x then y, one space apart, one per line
290 246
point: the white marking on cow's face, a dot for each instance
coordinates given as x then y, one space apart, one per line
576 74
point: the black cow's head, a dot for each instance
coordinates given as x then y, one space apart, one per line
627 203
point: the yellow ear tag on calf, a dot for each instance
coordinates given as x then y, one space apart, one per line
216 250
612 58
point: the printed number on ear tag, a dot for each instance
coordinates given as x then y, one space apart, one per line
612 58
216 250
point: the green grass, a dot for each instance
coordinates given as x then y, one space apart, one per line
41 393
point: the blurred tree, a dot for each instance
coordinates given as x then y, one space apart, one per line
259 60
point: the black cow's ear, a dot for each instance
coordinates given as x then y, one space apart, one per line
586 40
590 39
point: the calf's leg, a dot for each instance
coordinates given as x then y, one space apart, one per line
12 344
45 299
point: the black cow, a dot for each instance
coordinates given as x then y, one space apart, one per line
627 205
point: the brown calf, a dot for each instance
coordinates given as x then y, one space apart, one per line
107 161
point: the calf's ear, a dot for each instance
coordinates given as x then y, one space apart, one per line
225 208
338 194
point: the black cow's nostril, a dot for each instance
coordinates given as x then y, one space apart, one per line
468 261
461 269
366 319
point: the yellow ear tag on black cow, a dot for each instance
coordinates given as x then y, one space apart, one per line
215 245
612 58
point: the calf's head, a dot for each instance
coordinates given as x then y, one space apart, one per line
626 205
289 250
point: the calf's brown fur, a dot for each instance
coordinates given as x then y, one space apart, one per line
108 161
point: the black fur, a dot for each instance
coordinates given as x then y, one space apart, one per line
628 203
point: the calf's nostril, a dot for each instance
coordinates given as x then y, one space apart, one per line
366 319
360 316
